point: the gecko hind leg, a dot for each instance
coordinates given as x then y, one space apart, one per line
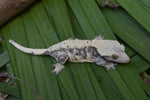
100 61
59 66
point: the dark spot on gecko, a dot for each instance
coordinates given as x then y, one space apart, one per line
55 53
61 50
46 53
77 53
90 49
70 50
84 53
67 46
62 59
32 53
95 53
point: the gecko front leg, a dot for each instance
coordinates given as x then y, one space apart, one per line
110 65
102 62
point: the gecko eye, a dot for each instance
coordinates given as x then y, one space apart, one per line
114 56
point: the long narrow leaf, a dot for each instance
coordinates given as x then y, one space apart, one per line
140 64
137 11
4 59
12 90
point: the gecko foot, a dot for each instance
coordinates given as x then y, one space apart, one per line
100 37
58 68
110 65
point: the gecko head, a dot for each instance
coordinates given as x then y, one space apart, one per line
114 51
118 57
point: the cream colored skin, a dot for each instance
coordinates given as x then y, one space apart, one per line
106 48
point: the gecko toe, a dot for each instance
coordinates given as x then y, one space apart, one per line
58 68
110 66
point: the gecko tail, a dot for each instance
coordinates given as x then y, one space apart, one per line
30 50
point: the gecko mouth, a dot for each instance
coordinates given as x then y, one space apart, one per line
124 61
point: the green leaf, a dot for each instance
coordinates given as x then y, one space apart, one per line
91 25
130 74
137 11
12 90
12 98
107 84
4 58
140 64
